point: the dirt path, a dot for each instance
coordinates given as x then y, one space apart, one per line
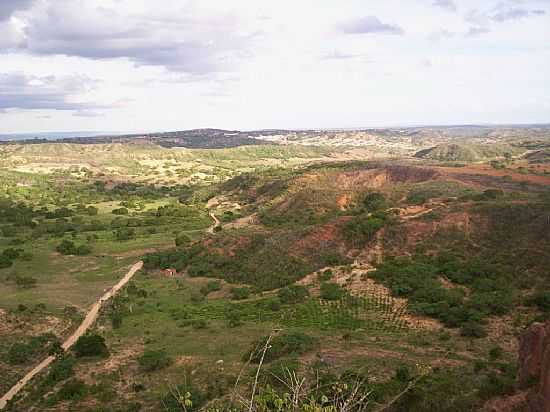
84 326
216 222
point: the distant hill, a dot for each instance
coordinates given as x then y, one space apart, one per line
51 135
466 152
540 156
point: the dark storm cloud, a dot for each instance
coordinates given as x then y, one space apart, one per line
19 91
445 4
184 44
8 7
369 24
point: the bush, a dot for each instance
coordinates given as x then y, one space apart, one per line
120 211
5 262
25 282
293 294
182 240
374 201
362 228
495 353
73 390
240 293
473 330
331 291
125 233
154 360
542 300
287 344
61 369
68 247
83 250
91 345
233 317
211 286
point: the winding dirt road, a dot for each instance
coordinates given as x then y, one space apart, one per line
216 222
71 340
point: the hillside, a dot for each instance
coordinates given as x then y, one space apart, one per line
467 152
404 279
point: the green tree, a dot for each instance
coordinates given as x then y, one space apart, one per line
91 345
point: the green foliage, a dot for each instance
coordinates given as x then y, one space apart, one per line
120 211
239 293
285 344
25 352
5 262
91 345
263 262
68 247
331 291
418 279
374 201
154 360
74 390
292 294
182 240
184 397
542 300
233 317
125 233
211 286
361 229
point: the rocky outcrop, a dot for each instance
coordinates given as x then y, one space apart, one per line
534 366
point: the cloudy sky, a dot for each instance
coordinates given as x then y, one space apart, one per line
143 65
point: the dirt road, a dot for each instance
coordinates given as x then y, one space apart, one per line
84 326
216 223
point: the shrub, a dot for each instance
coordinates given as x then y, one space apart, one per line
240 293
293 294
154 360
542 300
25 282
331 291
362 228
73 390
473 330
61 369
233 317
120 211
68 247
125 233
5 262
495 353
293 343
374 201
182 240
211 286
91 345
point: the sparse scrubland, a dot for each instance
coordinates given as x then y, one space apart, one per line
338 278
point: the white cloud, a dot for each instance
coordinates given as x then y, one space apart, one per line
248 64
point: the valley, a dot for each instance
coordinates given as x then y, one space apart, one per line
392 269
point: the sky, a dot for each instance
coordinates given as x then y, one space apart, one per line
149 65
